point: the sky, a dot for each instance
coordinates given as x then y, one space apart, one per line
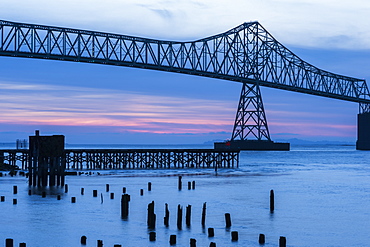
90 103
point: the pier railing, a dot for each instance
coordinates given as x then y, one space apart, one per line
107 159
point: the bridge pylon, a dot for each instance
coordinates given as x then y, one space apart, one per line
250 130
363 130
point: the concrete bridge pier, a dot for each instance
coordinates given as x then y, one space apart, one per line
363 131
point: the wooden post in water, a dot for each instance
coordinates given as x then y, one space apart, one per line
172 239
2 198
100 243
107 187
272 201
180 183
125 206
234 236
15 189
167 216
152 236
83 240
193 185
149 186
82 191
211 232
95 193
193 242
9 242
212 244
261 239
151 216
22 244
188 216
189 185
204 214
228 220
179 217
282 241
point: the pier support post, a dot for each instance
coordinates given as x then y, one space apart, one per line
363 131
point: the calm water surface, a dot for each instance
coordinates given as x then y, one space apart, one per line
322 198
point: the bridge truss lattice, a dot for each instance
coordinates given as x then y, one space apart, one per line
248 54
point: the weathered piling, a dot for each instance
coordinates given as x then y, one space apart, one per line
193 242
2 198
282 241
228 220
95 193
82 191
204 214
149 186
15 201
151 216
58 197
125 205
189 185
211 232
100 243
141 192
22 244
234 236
124 190
212 244
172 239
193 185
9 242
179 185
83 240
179 217
66 188
117 245
73 199
111 195
188 216
166 216
107 187
261 239
272 201
15 189
152 236
29 192
43 194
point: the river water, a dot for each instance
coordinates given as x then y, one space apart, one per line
322 198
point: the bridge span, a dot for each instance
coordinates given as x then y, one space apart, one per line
247 53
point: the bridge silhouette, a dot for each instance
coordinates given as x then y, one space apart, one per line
248 54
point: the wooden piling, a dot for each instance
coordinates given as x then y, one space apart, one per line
167 216
204 214
73 199
124 190
152 236
95 193
43 194
9 242
22 245
193 185
15 189
188 216
282 241
107 187
2 198
261 239
234 236
172 239
66 188
151 216
83 240
58 197
272 201
228 220
15 201
117 245
179 217
212 244
193 242
149 186
29 192
180 183
189 185
211 232
111 195
125 205
82 191
141 192
100 243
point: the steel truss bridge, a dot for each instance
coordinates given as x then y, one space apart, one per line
247 53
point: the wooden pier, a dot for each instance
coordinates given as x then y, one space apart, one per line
108 159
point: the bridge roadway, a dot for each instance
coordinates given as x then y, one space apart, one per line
107 159
247 53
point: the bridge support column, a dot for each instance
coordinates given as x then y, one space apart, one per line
250 128
363 131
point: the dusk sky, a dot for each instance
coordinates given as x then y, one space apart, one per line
90 103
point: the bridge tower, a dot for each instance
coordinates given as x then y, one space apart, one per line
363 128
250 128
